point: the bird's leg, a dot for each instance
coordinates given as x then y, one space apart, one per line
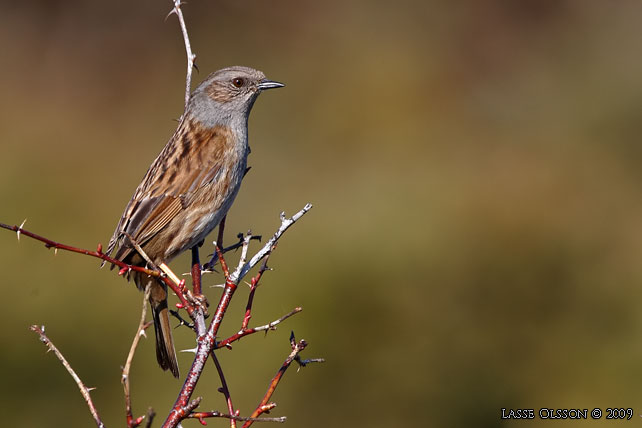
196 277
209 266
221 229
196 271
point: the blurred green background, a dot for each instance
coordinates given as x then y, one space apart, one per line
475 174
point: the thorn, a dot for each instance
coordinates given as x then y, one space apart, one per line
99 250
193 350
123 271
55 251
91 388
20 228
171 12
179 306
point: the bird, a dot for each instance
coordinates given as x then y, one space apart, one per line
189 187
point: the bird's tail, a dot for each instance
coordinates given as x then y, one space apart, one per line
165 352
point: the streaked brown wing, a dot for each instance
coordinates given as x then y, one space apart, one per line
174 177
151 215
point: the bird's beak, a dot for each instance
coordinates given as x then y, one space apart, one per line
269 84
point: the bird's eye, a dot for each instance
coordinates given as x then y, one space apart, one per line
238 82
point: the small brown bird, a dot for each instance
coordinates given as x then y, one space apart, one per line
190 186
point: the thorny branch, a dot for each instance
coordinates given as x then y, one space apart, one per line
184 407
243 269
186 298
224 390
209 266
247 331
83 389
207 342
215 414
265 405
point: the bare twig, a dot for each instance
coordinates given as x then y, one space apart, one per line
185 298
254 283
215 414
181 320
247 331
224 268
265 405
209 266
150 417
83 389
246 246
188 49
224 390
241 271
142 325
303 363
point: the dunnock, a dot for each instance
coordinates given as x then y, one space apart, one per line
190 186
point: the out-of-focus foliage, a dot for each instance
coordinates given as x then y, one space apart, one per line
475 171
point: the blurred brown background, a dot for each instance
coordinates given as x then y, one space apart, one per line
475 172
